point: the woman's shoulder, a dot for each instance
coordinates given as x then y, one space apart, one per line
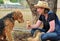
51 14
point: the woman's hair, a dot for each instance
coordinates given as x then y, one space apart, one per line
46 10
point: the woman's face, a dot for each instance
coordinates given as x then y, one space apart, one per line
40 10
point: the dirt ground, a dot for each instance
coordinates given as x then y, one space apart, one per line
21 36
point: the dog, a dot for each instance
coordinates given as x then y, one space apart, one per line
36 36
7 24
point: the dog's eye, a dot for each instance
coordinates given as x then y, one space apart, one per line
21 16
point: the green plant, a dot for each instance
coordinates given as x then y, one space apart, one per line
1 1
13 1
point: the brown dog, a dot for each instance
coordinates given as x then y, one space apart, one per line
8 24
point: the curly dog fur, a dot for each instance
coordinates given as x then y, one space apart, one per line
7 24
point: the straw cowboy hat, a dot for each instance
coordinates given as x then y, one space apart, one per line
42 4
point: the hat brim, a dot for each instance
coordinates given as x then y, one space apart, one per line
37 6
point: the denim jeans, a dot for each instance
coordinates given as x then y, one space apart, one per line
49 36
46 36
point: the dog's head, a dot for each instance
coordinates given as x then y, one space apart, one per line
18 16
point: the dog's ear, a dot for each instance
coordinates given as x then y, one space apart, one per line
15 16
18 12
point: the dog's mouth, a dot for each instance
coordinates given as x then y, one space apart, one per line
21 21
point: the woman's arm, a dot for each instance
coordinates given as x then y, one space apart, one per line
37 24
52 26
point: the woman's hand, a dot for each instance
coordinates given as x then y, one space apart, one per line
28 24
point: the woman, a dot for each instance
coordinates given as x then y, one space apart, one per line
49 20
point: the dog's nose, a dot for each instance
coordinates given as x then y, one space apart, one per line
23 21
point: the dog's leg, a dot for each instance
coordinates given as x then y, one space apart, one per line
8 34
1 38
4 36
